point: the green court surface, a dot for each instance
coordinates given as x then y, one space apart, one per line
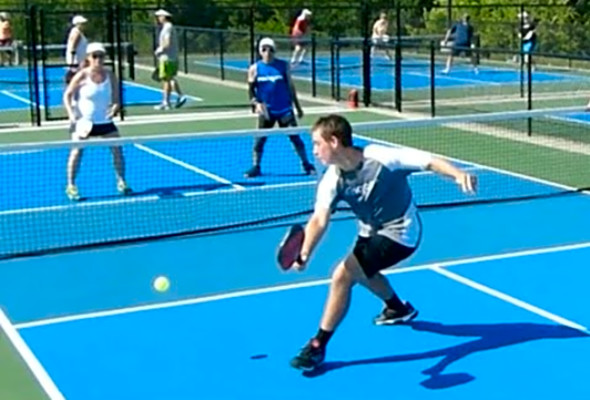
16 382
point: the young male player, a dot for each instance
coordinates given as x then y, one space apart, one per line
299 34
373 181
272 94
380 36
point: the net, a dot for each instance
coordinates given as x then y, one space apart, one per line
194 184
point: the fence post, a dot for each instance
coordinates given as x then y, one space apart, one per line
221 55
432 81
118 38
366 54
313 66
530 92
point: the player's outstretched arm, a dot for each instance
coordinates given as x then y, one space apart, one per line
467 181
314 230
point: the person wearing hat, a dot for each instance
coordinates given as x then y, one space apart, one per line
298 33
167 54
97 92
5 38
76 46
272 95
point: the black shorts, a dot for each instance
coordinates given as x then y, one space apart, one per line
284 121
103 129
459 48
376 253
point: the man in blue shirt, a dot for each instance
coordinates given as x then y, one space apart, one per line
461 34
272 95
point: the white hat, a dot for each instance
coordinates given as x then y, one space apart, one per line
266 42
162 13
95 47
4 15
78 19
306 12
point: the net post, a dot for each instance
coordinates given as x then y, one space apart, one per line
432 81
313 66
221 39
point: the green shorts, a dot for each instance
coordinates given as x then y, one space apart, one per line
168 69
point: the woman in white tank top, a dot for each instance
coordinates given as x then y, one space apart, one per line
97 94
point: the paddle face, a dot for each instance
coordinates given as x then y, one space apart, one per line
290 247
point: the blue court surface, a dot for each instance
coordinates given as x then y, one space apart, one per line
415 73
16 96
501 289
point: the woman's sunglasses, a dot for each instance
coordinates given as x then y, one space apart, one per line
97 56
268 48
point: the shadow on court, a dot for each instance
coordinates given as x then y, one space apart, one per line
487 337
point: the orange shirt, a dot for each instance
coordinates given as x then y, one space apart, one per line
300 27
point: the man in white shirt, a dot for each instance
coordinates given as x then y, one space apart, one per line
167 54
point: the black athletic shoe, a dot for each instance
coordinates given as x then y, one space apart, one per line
393 317
309 169
310 357
253 172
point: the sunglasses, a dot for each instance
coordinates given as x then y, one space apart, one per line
268 48
97 56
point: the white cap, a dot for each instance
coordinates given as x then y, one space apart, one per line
266 42
78 19
4 15
306 12
95 47
162 13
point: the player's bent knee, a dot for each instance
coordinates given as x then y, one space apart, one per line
342 276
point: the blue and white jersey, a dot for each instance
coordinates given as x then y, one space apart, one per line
378 192
272 87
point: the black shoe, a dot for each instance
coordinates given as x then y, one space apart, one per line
253 172
309 169
393 317
310 357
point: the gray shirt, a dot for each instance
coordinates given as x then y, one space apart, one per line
168 32
378 192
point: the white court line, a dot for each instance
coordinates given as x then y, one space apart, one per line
280 288
188 166
454 78
509 299
29 358
126 200
17 97
153 89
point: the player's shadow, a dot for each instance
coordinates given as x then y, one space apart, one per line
486 337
